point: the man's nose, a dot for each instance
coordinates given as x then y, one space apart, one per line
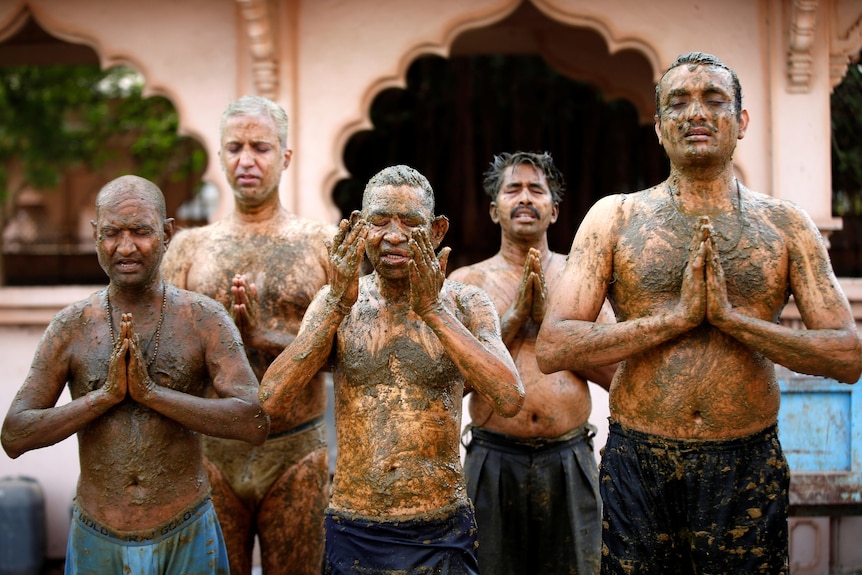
396 233
127 244
695 109
246 157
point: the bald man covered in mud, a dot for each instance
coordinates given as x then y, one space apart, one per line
150 368
264 265
404 344
698 270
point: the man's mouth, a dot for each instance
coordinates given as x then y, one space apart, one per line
395 258
525 213
699 132
247 179
128 265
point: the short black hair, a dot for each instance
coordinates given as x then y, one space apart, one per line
543 161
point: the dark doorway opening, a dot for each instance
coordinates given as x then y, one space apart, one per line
455 114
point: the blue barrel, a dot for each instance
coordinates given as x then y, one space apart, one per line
22 526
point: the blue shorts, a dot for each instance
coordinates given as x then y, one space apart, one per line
365 546
190 543
680 507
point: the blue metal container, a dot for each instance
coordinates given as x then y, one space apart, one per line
820 428
22 526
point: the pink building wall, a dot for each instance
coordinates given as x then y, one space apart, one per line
325 60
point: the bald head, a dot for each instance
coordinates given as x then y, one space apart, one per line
129 187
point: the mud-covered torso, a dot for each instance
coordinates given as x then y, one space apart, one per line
703 383
398 412
135 462
287 261
555 403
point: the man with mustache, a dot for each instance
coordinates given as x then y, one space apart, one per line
532 478
698 270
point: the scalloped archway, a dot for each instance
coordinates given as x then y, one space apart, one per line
586 100
46 235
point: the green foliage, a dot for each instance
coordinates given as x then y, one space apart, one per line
56 117
847 144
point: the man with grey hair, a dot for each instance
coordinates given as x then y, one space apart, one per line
150 368
264 265
698 269
533 478
404 345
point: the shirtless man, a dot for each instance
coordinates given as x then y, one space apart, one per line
264 265
405 345
150 367
532 478
698 269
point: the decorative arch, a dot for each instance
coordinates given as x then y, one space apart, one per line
845 47
468 21
153 86
602 25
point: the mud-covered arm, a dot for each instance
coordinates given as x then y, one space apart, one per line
476 348
301 360
570 337
236 412
602 375
830 346
34 419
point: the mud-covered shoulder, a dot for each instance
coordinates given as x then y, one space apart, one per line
181 253
471 274
472 304
200 306
778 211
70 320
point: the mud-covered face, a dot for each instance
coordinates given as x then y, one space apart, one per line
524 206
393 213
252 158
698 123
131 239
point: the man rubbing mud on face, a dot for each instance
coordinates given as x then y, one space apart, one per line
405 344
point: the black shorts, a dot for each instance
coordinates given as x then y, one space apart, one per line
704 506
368 546
537 503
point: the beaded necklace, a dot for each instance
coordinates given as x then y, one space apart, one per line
109 308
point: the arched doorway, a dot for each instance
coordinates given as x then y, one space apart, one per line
504 88
66 101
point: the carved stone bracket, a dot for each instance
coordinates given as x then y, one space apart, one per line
264 67
844 48
800 41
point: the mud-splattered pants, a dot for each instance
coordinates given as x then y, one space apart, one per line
694 506
537 503
190 543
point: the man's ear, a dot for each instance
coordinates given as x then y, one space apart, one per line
169 230
439 227
95 230
743 124
492 211
288 153
657 127
555 212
